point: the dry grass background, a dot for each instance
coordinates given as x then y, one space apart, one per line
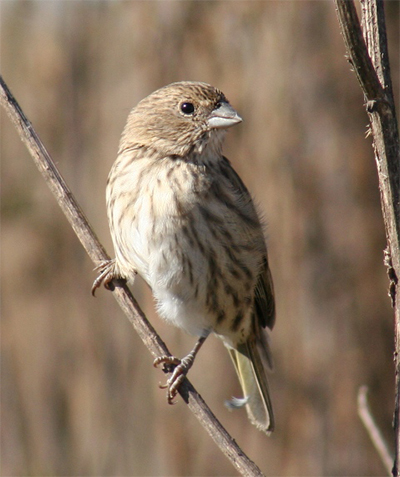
79 394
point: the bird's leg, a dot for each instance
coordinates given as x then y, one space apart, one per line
180 368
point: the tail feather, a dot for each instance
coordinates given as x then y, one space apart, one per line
251 361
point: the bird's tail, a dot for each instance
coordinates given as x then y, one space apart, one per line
251 360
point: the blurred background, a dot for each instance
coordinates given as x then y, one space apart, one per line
80 396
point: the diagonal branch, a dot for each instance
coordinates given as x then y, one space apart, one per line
375 434
368 54
122 294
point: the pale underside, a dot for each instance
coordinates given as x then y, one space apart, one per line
195 240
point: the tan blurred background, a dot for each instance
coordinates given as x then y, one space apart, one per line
79 394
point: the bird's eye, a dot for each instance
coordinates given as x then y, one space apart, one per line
187 108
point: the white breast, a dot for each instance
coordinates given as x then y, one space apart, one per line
199 266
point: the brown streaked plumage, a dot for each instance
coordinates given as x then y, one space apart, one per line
182 218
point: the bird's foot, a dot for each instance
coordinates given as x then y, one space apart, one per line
106 276
179 369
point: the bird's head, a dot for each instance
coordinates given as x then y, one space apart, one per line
180 119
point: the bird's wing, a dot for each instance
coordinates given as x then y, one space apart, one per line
264 302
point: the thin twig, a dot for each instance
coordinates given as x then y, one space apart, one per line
368 54
374 433
122 294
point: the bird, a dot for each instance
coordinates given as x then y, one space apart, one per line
181 218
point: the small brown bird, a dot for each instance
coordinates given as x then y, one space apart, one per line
182 218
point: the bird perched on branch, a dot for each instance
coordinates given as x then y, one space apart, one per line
182 219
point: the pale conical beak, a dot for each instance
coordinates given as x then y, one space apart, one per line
224 117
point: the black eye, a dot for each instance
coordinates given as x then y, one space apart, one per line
187 108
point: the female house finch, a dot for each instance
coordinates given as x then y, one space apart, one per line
182 218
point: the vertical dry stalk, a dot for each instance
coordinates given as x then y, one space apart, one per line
368 54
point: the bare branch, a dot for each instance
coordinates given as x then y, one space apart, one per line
370 60
121 293
355 45
374 433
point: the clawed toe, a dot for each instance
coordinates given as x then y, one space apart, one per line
106 276
169 363
178 368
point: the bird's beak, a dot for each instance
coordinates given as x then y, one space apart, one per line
223 117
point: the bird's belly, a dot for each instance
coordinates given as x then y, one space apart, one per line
198 254
200 283
177 275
